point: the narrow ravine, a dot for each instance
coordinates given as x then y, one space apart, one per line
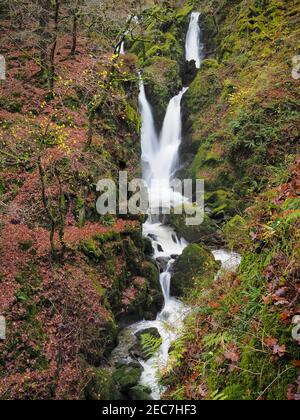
160 159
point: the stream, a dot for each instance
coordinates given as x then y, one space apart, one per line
160 157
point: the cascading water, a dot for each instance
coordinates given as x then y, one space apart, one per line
159 159
149 139
122 48
193 46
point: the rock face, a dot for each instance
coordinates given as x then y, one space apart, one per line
195 266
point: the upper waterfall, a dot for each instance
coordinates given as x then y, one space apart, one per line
193 46
159 154
170 139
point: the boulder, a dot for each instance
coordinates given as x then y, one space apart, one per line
127 376
195 268
140 393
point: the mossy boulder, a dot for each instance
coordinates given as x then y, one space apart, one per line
101 386
140 393
195 268
154 294
127 376
207 232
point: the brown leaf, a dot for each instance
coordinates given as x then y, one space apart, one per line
271 342
232 354
279 350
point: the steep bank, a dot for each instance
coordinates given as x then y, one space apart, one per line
69 277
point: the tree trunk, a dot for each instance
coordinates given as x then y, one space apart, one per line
53 48
47 208
43 25
74 34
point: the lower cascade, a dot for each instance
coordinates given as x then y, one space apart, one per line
160 162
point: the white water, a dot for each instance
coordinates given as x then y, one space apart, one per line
122 48
159 157
193 46
159 160
160 153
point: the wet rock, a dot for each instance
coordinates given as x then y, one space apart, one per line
148 247
163 263
152 236
160 248
126 340
189 73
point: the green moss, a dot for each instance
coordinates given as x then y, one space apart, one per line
127 377
91 249
26 245
162 76
101 386
236 233
140 393
196 267
207 232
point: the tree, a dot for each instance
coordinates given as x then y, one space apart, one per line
54 45
44 17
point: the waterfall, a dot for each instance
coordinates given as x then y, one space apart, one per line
193 46
160 154
159 160
122 48
170 140
149 141
159 157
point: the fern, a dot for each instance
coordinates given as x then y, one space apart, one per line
213 341
218 396
150 344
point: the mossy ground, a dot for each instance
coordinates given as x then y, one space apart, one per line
239 343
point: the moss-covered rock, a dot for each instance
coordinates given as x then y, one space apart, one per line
207 232
140 393
196 267
223 204
101 386
127 376
163 81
